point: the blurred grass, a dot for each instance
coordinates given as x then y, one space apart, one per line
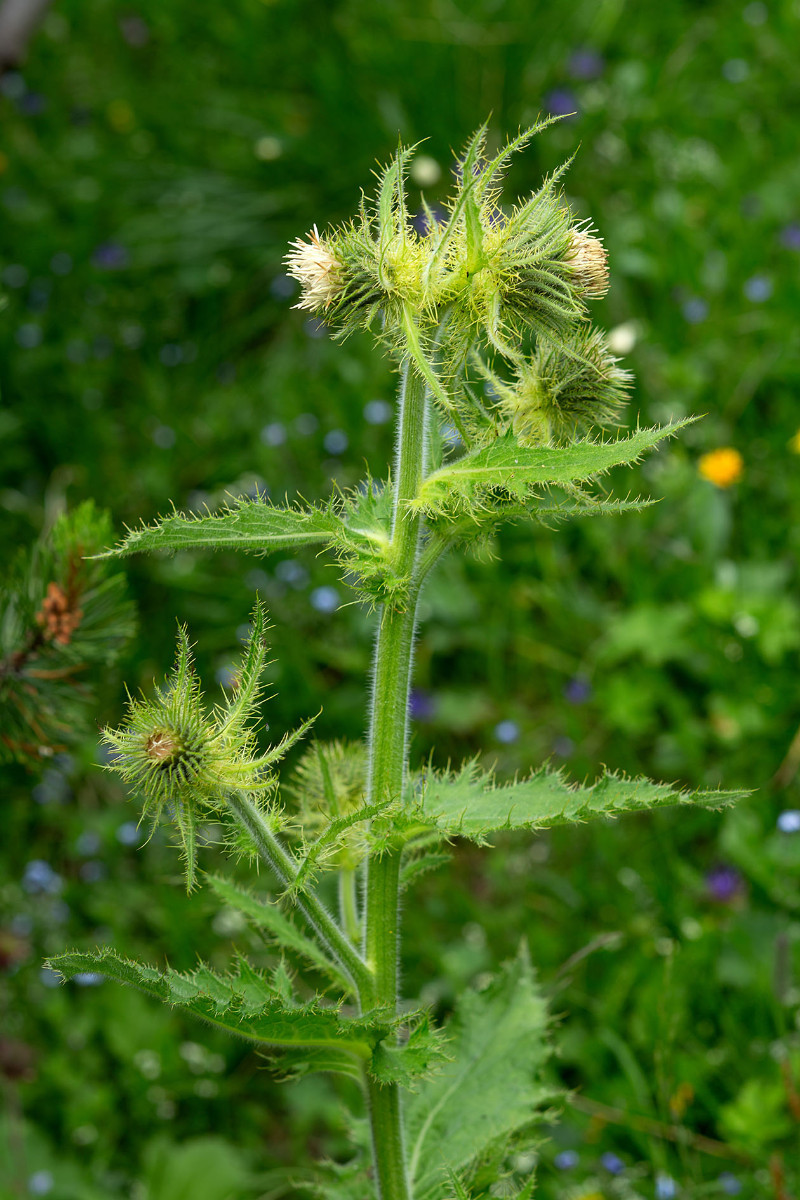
154 162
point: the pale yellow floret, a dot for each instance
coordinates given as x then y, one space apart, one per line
589 261
316 270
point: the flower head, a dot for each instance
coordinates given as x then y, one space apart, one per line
561 390
588 258
316 269
182 758
722 467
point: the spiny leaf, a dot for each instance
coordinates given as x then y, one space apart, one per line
471 804
490 1089
516 471
253 526
548 509
424 1051
245 1004
492 173
266 916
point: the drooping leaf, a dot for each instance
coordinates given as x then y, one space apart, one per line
266 916
490 1090
470 803
508 471
252 526
244 1003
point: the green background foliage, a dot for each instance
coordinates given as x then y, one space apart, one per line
155 160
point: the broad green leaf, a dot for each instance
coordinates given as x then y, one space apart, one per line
471 804
251 1005
244 1003
489 1090
510 471
253 526
266 916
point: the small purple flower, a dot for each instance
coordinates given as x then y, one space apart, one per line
729 1184
325 599
578 690
612 1163
790 236
421 705
506 732
724 883
789 821
110 256
564 747
666 1187
128 833
566 1160
40 1183
88 842
335 441
695 310
758 289
561 102
586 63
40 878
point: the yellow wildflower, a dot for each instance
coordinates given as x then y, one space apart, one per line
794 443
721 467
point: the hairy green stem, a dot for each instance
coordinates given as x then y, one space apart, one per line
348 904
284 868
387 766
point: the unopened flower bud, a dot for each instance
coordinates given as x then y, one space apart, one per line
588 258
316 269
183 759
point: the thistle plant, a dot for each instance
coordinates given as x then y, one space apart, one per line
504 384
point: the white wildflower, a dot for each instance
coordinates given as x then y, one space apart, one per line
315 268
589 260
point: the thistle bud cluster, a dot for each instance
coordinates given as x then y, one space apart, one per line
482 279
183 759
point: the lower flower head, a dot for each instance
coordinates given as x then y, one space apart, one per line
182 759
563 390
722 467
